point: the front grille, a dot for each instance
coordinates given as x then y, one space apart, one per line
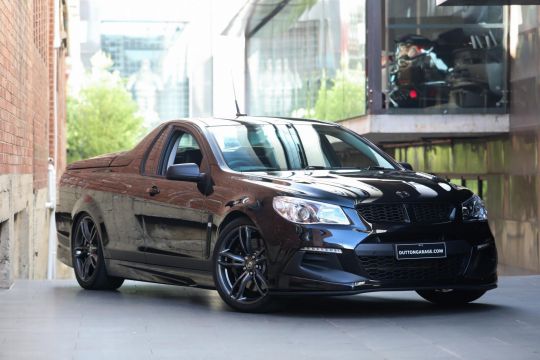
387 268
391 213
432 213
405 213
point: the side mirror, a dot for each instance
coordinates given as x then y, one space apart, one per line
406 165
184 172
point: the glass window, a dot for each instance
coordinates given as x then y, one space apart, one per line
187 141
150 57
308 60
185 150
444 58
251 147
277 148
334 148
348 155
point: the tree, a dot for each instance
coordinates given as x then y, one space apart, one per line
345 99
102 117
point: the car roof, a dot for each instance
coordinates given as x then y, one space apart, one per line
254 120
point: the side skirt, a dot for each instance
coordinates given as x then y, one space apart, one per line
160 274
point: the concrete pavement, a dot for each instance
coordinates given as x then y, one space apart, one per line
58 320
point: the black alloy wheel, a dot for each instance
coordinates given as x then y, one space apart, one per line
87 257
451 297
240 267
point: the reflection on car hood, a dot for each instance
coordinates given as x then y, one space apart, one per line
351 187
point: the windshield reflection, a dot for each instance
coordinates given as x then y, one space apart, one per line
266 147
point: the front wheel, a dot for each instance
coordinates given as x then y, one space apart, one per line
240 267
87 257
451 297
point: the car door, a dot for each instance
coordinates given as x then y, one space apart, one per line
172 213
125 240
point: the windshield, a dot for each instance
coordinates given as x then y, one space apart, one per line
254 147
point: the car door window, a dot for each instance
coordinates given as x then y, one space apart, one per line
184 150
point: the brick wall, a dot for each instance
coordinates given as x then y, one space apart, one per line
24 88
61 79
27 133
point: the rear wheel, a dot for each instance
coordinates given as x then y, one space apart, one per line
87 257
240 267
449 297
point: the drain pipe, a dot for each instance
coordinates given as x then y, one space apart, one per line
51 203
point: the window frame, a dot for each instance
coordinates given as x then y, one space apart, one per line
377 40
444 109
170 133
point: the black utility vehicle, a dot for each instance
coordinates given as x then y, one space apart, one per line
261 207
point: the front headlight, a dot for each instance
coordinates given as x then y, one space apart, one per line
474 209
302 211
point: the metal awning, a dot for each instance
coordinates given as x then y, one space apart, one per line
255 14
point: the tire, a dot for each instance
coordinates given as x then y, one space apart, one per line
240 267
451 297
87 257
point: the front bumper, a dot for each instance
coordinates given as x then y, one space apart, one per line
374 267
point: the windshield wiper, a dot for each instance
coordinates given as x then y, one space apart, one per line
376 168
319 167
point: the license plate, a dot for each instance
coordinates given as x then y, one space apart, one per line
420 251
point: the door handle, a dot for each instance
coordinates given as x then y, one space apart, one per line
154 190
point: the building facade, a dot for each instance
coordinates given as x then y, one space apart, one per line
503 167
306 59
148 49
32 130
152 57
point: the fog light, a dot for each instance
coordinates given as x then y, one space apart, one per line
322 250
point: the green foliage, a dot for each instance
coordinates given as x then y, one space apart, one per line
101 119
101 115
345 99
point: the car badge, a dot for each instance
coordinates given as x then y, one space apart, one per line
402 194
